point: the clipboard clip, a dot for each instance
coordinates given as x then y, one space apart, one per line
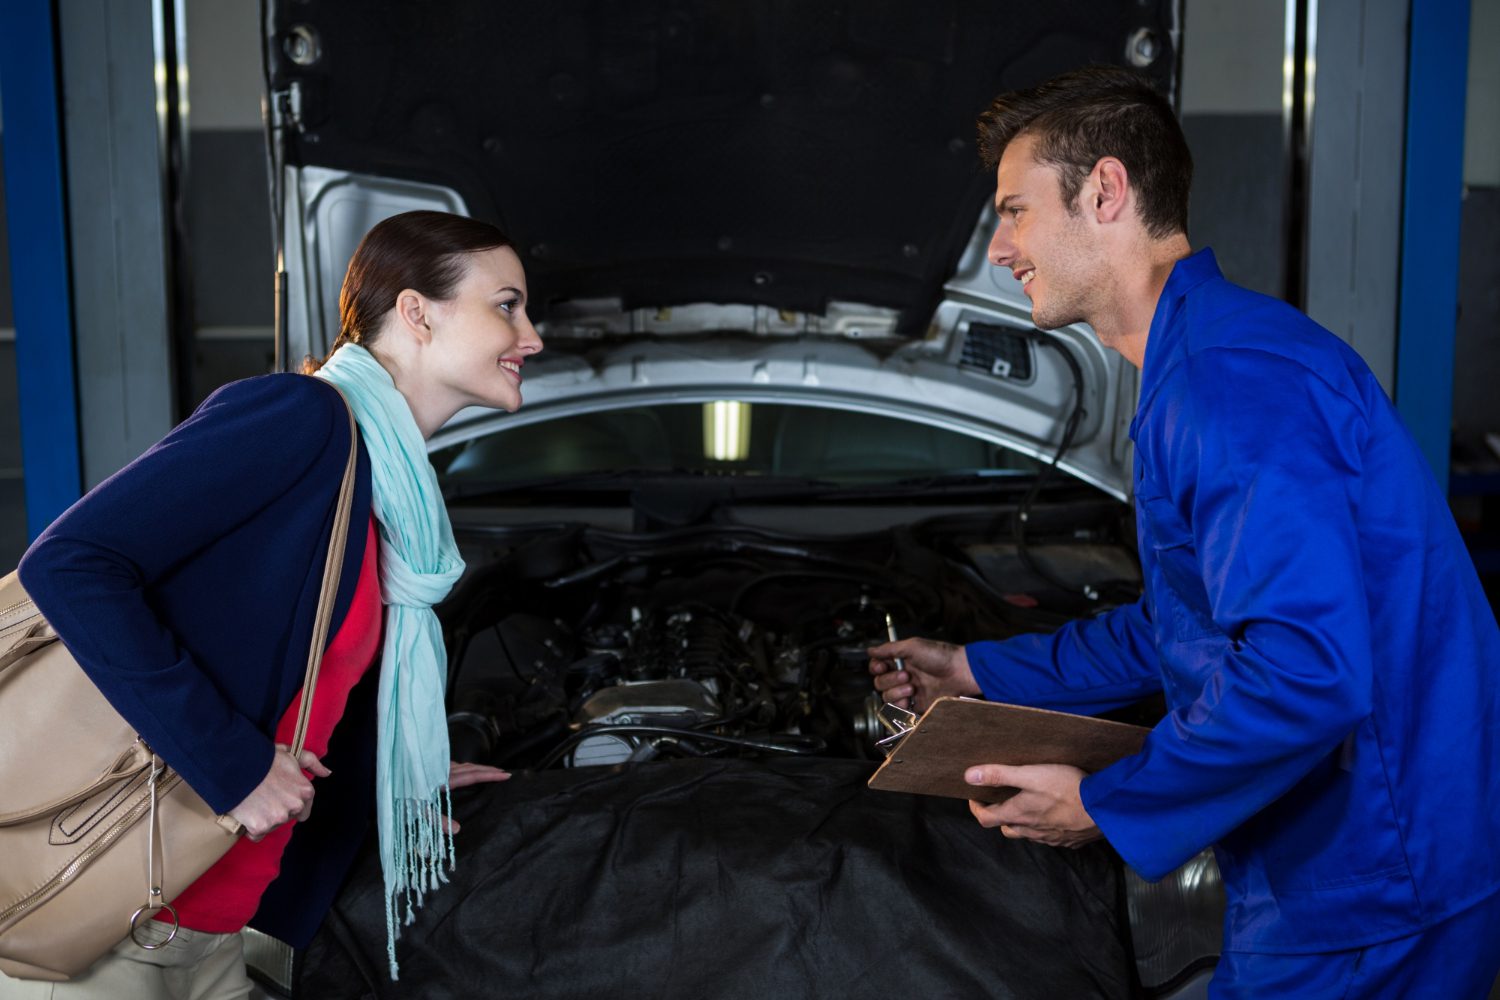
897 722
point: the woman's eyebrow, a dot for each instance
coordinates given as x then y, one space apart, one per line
510 288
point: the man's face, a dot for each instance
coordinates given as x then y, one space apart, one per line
1051 250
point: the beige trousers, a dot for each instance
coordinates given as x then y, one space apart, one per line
194 966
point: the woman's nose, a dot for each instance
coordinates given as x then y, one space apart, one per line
531 341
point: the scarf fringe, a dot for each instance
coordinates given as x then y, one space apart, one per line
423 847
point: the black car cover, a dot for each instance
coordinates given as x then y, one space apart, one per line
688 879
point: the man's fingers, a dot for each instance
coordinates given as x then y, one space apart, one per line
898 696
989 813
997 776
989 817
884 682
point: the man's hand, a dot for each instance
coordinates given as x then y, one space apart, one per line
464 775
932 669
284 795
1047 808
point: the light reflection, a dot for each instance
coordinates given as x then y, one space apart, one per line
726 431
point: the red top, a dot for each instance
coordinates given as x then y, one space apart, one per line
225 897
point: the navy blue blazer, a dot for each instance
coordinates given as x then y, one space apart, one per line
186 586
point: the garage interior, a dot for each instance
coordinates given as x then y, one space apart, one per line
1304 210
1347 160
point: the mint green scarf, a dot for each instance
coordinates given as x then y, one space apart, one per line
419 563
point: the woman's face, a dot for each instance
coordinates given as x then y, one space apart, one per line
481 337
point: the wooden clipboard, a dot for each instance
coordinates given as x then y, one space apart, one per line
957 733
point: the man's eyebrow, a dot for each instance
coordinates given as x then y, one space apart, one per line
1004 203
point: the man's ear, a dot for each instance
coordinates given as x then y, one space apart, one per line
412 310
1108 190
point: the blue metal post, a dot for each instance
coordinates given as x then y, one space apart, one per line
38 234
1436 86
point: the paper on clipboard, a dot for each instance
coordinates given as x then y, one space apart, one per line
956 733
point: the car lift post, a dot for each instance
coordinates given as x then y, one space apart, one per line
40 276
1436 86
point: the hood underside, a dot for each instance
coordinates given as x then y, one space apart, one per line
775 154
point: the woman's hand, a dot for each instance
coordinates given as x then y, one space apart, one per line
284 795
464 775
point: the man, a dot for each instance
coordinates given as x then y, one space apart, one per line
1330 664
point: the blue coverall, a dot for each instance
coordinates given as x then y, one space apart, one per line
1330 663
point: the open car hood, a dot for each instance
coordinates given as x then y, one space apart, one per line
805 172
982 370
782 154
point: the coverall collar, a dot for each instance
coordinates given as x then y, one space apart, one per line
1165 333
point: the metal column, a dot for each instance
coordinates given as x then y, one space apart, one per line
117 70
39 260
1437 77
1355 147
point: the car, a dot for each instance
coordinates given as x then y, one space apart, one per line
786 409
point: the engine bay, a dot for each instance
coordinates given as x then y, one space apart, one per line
574 646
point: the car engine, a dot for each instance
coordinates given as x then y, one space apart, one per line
583 647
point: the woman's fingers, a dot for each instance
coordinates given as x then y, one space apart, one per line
307 760
463 775
310 762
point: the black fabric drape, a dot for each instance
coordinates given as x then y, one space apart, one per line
683 880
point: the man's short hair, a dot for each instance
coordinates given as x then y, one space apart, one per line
1082 116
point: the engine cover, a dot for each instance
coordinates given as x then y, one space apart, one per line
678 703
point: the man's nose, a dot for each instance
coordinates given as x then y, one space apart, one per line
1000 251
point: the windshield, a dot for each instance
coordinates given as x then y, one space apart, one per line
725 437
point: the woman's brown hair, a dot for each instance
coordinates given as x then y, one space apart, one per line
423 251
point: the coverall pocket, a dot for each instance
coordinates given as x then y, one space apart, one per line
1175 577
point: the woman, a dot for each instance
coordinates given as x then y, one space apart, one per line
185 585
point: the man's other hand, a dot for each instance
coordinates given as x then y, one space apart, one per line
1047 809
931 671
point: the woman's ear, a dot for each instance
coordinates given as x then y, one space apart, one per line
413 310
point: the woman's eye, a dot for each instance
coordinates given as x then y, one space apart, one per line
509 305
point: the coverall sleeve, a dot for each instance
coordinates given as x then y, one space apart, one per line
90 572
1260 458
1090 665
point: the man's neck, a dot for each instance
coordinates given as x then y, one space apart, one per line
1124 322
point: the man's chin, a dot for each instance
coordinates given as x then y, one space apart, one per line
1047 321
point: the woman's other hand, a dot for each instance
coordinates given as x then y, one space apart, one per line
464 775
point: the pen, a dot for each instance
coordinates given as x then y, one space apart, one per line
900 664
